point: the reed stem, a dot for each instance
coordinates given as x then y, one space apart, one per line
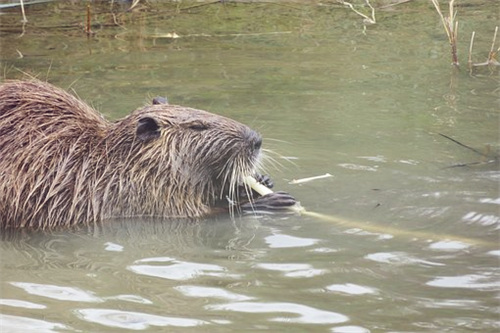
450 25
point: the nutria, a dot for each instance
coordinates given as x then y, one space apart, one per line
63 164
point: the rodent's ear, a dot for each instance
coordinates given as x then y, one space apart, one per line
147 129
160 100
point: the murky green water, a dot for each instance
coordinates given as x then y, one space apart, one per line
418 249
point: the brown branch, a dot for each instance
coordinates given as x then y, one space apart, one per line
493 53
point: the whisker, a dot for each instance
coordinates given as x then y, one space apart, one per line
275 160
278 140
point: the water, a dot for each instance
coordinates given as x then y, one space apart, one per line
411 244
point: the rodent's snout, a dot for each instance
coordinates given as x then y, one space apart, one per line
257 144
254 139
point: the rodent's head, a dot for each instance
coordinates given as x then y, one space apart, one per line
199 153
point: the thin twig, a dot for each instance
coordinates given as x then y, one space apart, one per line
443 20
469 62
25 20
88 30
463 145
486 156
493 53
491 61
394 4
370 20
461 165
308 179
135 3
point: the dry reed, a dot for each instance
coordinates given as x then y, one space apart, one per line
450 25
491 61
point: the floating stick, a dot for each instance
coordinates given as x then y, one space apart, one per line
25 20
297 208
308 179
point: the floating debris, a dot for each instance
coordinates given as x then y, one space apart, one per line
308 179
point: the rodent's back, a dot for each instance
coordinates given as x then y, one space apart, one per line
50 109
44 135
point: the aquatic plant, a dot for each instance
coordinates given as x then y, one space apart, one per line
450 25
491 61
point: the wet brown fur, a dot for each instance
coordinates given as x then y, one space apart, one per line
62 163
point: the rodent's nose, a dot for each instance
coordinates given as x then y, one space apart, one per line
254 139
258 143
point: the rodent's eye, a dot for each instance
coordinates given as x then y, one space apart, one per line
197 126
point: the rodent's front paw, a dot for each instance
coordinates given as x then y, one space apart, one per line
264 180
276 202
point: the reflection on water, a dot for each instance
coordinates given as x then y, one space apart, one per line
471 281
350 329
283 241
351 289
304 314
176 270
133 320
21 304
292 270
398 258
412 244
204 292
448 245
226 274
57 292
22 324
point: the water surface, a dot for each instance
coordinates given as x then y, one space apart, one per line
413 242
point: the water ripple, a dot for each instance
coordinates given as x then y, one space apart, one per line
174 269
399 258
285 241
448 245
451 303
377 158
197 291
293 270
481 219
494 253
110 246
21 304
495 201
23 324
57 292
324 250
470 281
350 329
133 320
130 298
351 289
361 232
357 167
305 314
